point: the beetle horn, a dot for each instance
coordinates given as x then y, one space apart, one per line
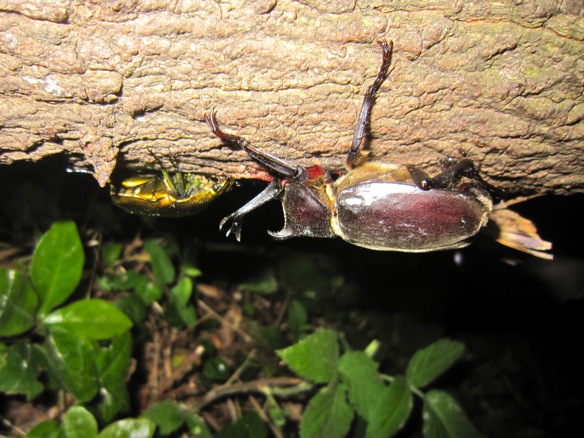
304 214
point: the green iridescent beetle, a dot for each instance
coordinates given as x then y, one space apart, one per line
171 195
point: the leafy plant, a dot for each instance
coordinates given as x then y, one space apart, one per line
351 387
54 338
84 346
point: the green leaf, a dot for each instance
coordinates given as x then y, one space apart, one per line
167 415
392 410
328 414
19 367
268 337
148 291
179 312
359 373
111 253
113 363
79 423
18 303
71 363
216 370
57 265
126 281
91 319
162 266
197 427
191 271
133 307
249 426
430 362
308 277
45 429
264 283
297 318
444 418
129 428
314 358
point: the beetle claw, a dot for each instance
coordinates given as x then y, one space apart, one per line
235 226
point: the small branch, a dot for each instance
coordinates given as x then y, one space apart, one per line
222 320
8 424
280 386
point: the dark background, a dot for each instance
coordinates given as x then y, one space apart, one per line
521 318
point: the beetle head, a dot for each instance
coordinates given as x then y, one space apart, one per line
306 212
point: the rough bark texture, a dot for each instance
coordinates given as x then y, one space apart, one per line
105 81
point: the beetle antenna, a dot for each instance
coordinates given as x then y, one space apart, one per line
158 160
363 120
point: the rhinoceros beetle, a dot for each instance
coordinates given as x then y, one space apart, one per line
377 206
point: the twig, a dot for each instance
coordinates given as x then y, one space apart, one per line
222 320
262 413
6 422
191 361
235 376
292 385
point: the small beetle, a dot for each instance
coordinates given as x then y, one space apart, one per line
172 195
374 205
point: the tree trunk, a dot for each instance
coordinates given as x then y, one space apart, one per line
107 82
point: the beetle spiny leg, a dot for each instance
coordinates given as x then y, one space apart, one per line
365 113
280 167
451 175
236 218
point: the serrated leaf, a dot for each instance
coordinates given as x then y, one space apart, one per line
90 319
162 266
359 373
314 358
430 362
18 303
71 363
392 411
79 423
57 265
129 428
327 414
444 418
19 367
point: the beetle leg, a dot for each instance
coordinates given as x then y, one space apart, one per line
365 114
451 175
236 218
421 178
280 167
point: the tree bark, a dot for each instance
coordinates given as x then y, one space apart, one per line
106 82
